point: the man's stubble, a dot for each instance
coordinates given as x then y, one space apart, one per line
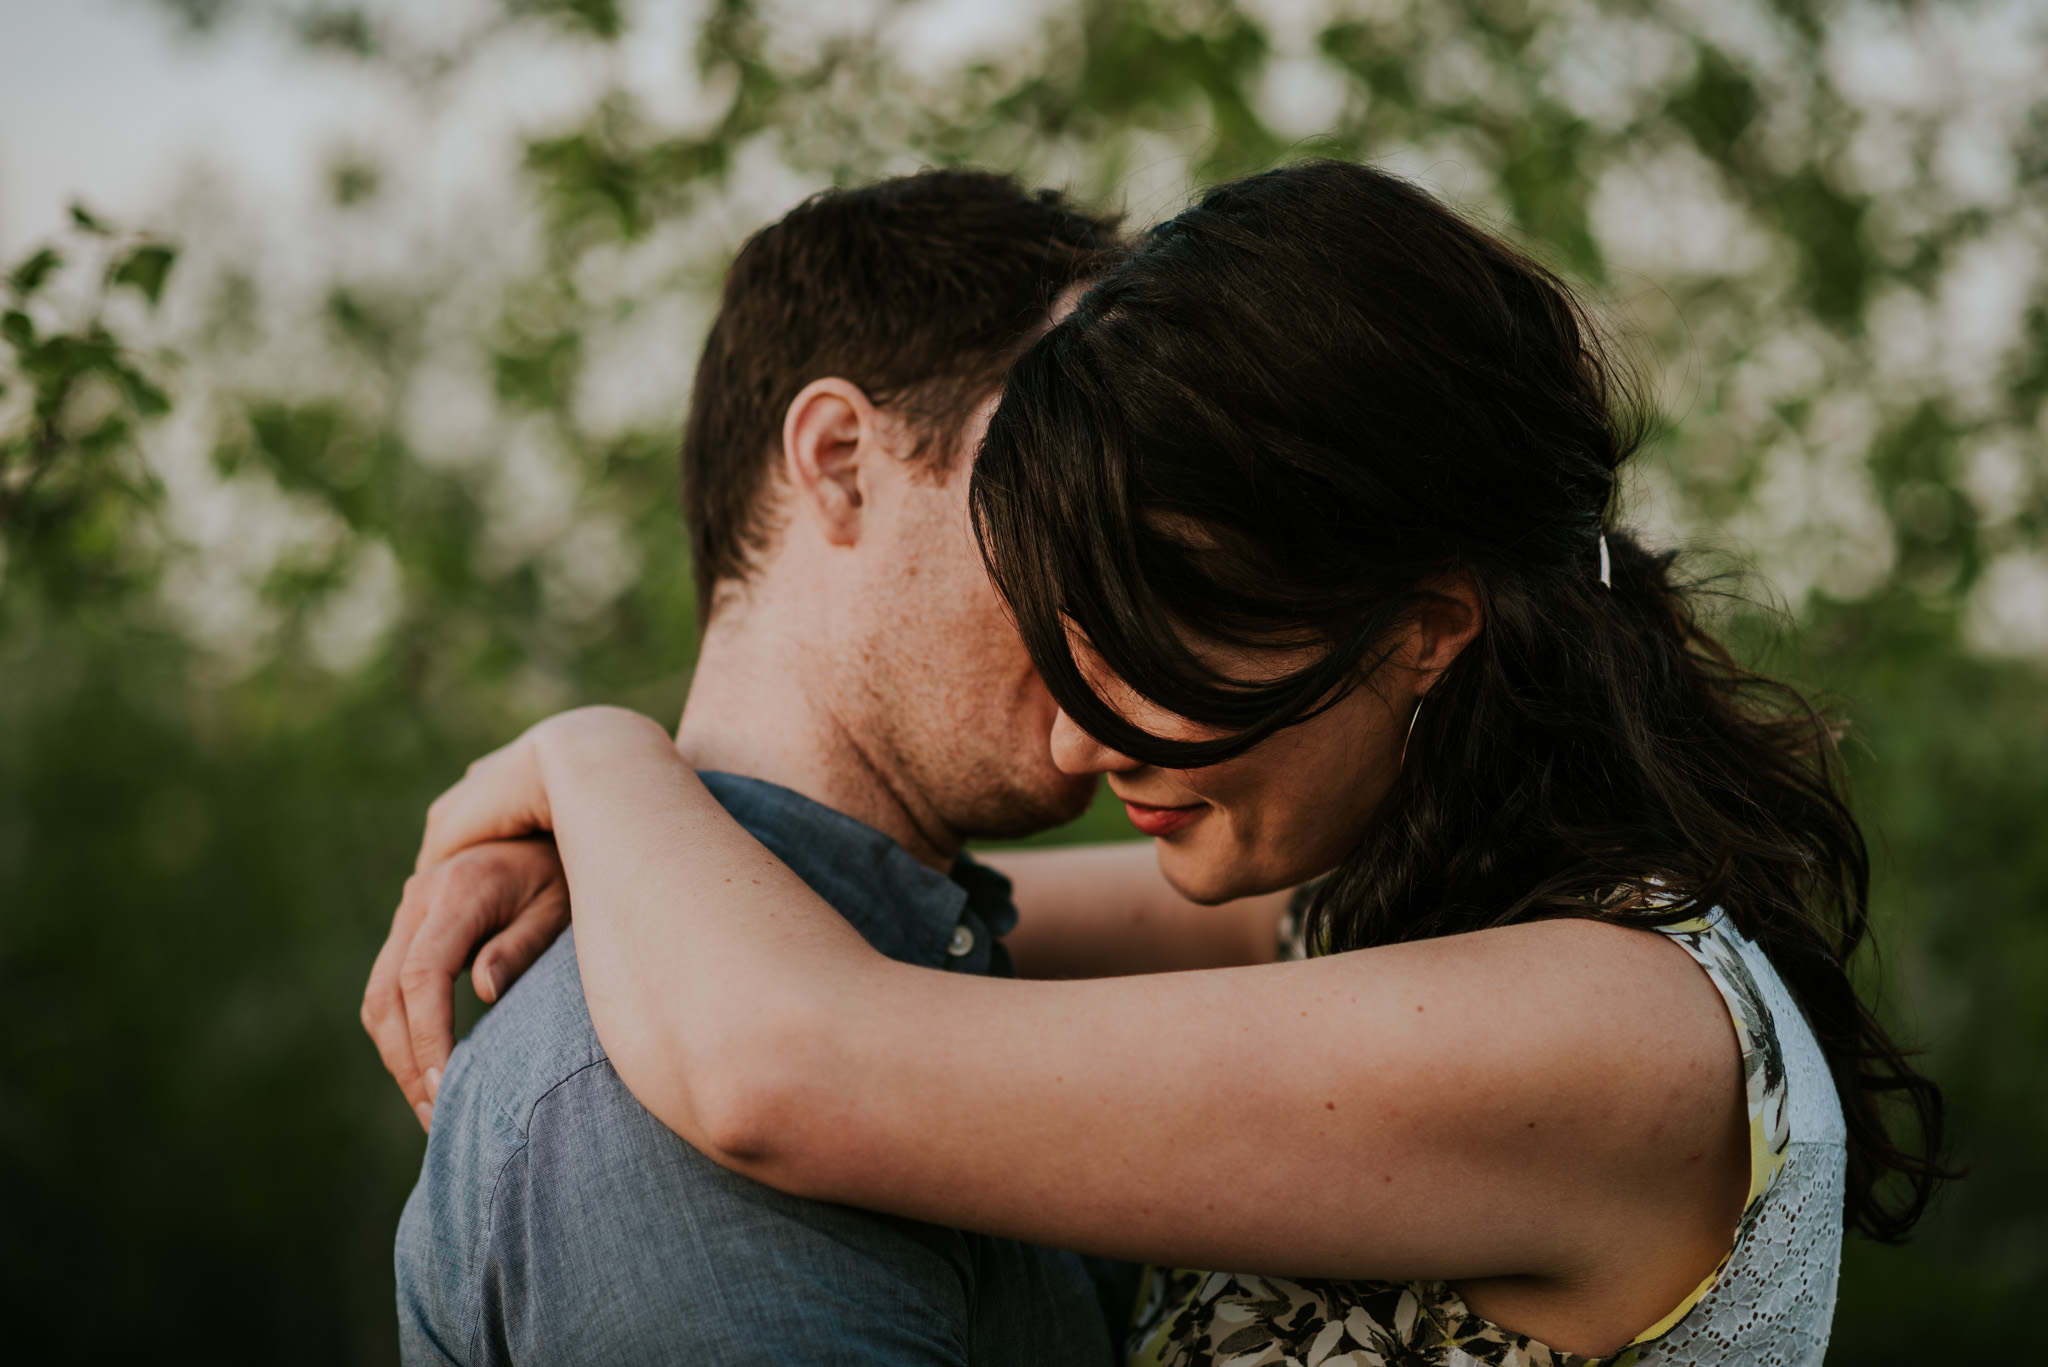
950 704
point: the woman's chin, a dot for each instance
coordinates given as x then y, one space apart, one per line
1203 875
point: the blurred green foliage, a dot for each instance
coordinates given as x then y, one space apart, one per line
276 560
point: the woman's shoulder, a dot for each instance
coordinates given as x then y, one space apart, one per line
1786 1074
1717 980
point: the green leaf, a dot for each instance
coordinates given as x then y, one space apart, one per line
29 276
16 328
598 18
84 219
346 30
148 400
145 268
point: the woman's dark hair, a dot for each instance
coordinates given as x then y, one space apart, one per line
1295 407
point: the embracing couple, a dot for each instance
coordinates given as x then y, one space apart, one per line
1479 999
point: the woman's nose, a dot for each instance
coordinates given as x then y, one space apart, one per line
1074 751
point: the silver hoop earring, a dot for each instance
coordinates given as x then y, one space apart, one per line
1403 763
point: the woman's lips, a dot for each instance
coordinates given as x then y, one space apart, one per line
1161 821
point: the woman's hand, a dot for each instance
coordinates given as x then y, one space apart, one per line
478 883
505 902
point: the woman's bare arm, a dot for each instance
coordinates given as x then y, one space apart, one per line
1097 911
1522 1104
1088 911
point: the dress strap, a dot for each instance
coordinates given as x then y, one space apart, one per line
1714 944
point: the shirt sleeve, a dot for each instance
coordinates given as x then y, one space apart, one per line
610 1239
556 1221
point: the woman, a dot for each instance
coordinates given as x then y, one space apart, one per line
1303 515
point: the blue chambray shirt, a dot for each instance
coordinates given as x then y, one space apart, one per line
557 1221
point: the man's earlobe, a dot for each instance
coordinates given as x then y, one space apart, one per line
830 429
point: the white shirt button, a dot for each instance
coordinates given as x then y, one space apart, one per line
962 942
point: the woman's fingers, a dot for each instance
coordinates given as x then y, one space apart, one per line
508 895
469 900
507 955
384 1015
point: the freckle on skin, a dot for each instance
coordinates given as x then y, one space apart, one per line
1329 1105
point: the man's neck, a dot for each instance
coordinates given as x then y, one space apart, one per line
760 706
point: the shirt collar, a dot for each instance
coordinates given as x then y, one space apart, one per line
905 910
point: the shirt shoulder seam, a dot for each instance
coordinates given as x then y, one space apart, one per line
483 1238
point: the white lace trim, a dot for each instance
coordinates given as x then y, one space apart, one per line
1775 1300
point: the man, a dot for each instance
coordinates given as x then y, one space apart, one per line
863 707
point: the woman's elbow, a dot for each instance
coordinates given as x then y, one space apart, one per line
737 1120
737 1105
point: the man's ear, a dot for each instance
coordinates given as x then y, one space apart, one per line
1445 624
829 433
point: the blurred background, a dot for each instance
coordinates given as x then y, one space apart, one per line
345 349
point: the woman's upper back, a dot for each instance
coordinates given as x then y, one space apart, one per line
1770 1301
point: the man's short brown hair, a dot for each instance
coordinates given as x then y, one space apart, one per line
919 289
